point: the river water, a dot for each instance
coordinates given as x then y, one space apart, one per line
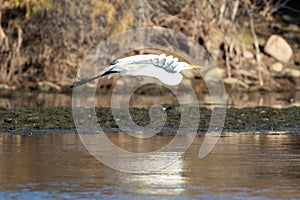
237 100
56 165
240 166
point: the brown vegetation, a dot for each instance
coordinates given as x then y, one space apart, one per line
42 42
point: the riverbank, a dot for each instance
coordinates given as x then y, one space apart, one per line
44 43
259 119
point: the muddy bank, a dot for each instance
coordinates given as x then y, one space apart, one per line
35 120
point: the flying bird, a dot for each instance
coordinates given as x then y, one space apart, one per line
165 68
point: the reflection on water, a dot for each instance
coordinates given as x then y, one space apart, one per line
244 165
238 100
34 99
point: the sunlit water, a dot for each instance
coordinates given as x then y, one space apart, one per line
241 166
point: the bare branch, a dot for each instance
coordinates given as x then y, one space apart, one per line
258 55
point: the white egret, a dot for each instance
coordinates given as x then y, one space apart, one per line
165 68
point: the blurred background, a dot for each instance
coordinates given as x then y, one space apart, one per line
254 43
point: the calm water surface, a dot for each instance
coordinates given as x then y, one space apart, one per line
242 165
238 100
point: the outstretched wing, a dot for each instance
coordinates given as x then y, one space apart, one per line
168 63
162 67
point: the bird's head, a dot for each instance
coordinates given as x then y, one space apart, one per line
184 66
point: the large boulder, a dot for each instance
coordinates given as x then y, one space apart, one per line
278 48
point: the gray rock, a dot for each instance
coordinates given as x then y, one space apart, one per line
292 73
278 48
276 67
248 54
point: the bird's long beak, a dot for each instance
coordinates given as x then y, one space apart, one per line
196 66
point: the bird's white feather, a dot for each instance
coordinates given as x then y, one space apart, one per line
163 67
156 72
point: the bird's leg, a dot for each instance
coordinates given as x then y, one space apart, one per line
84 81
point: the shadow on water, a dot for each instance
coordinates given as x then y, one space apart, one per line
238 100
244 165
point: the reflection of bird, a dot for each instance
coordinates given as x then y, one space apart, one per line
165 68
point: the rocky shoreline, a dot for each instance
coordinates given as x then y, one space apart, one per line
43 50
